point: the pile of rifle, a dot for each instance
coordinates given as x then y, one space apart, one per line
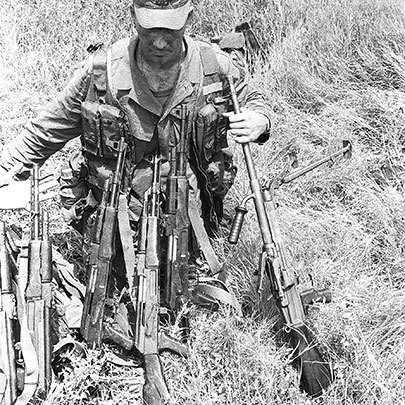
25 308
156 285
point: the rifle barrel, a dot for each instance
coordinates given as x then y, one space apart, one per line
35 207
116 182
254 181
182 141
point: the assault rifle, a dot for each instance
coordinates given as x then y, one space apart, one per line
316 374
38 293
177 224
149 340
93 328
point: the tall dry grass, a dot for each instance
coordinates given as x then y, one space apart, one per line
334 70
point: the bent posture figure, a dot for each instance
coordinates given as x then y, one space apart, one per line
137 90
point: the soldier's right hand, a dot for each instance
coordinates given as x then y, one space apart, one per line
5 177
17 172
15 194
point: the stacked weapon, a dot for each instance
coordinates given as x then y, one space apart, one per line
316 373
149 340
38 293
94 329
25 303
177 224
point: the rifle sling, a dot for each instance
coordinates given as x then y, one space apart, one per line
202 237
208 293
126 241
204 290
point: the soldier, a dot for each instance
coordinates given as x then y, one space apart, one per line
135 89
149 76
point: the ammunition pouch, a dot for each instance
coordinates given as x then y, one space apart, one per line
215 160
103 126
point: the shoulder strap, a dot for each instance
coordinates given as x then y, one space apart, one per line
99 74
209 59
211 82
100 78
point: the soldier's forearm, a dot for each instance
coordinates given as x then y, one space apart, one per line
57 123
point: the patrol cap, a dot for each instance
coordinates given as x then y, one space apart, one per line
171 14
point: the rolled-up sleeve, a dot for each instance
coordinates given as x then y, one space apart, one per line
234 65
57 123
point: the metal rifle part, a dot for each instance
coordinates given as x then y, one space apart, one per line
149 340
273 184
101 258
346 151
177 220
30 373
38 292
8 371
316 374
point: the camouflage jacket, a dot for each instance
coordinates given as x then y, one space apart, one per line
151 124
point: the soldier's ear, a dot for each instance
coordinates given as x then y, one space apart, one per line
190 16
133 16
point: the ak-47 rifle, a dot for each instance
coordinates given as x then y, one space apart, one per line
93 328
177 225
149 340
316 374
38 293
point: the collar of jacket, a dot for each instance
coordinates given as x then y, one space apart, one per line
126 75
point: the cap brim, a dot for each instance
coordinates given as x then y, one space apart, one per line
171 18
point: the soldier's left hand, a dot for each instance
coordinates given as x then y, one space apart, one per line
246 126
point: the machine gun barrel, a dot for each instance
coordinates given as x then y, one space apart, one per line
255 185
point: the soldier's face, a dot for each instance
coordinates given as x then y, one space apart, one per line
160 45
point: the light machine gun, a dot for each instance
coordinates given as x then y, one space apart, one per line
316 374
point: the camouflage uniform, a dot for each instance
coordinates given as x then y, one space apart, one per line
201 86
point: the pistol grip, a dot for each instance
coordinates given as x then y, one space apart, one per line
166 342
